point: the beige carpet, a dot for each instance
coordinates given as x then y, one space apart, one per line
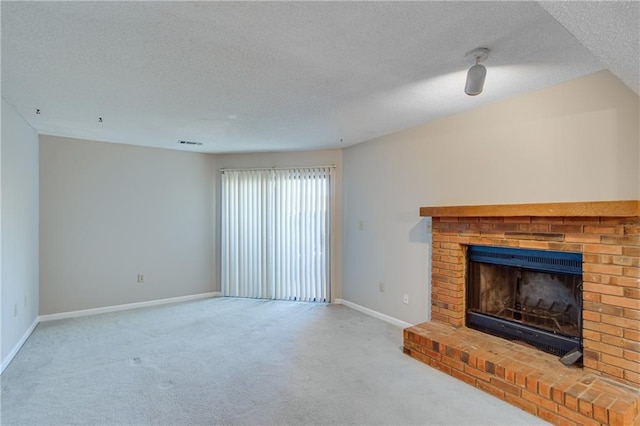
234 361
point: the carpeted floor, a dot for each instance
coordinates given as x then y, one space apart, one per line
234 361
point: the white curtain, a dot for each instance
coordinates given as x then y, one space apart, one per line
276 233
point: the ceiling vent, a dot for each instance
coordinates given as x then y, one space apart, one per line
189 143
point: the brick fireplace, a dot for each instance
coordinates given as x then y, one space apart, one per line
607 234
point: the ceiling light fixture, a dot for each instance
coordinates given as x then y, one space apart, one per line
477 73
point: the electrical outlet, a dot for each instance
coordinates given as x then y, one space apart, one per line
361 225
141 278
406 299
381 287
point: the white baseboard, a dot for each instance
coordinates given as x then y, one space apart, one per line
127 306
18 346
372 313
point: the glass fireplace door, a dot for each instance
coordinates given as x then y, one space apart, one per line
526 295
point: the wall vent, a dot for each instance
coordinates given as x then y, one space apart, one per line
542 260
189 143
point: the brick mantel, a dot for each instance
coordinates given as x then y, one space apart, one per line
607 233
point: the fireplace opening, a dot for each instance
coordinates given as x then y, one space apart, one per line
531 296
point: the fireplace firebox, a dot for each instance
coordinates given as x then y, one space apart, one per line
531 296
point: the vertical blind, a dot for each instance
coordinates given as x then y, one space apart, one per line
276 233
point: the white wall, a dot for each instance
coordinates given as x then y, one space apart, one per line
578 141
294 159
19 235
109 212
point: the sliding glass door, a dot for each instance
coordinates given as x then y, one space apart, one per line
276 233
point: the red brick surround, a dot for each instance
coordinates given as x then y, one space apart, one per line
611 305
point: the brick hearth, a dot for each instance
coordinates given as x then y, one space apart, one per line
605 390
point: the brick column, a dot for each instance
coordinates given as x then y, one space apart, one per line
447 276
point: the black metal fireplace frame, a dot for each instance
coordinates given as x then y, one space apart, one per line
535 260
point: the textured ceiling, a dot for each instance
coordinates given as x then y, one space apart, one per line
269 76
611 30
